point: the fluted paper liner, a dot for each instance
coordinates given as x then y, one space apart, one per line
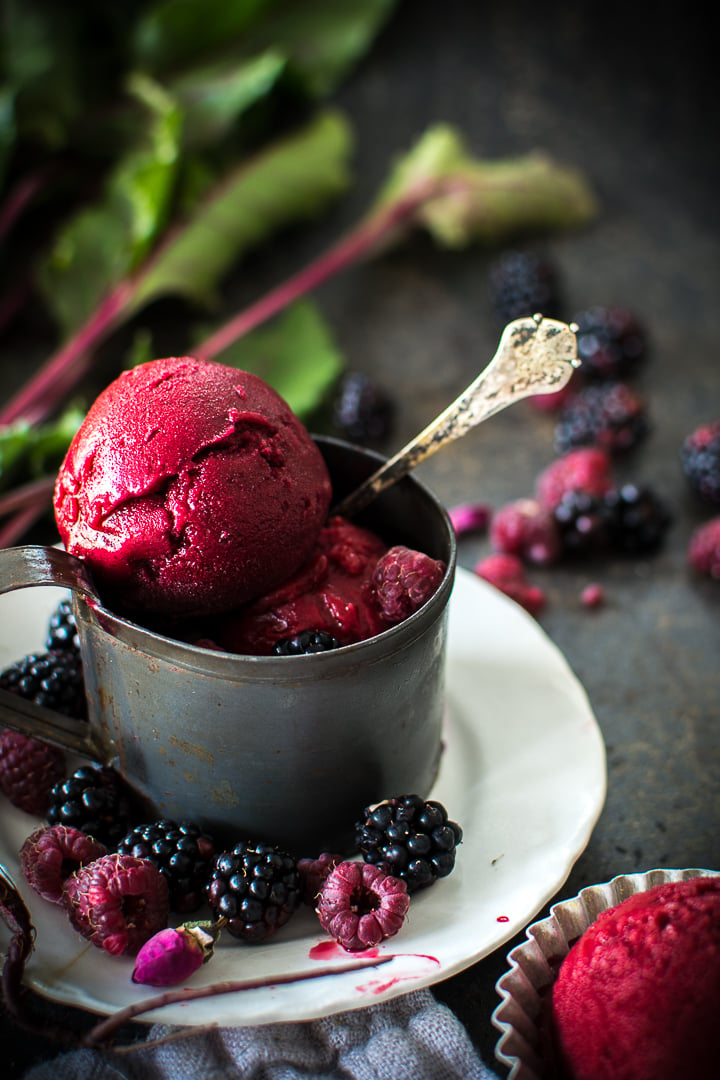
532 966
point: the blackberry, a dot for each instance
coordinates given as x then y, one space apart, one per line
582 522
363 411
524 283
608 415
256 887
62 631
94 801
700 460
410 839
183 854
308 641
636 519
53 679
611 343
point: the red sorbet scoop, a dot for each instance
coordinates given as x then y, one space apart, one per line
190 488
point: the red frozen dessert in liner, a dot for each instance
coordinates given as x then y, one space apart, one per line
638 995
190 488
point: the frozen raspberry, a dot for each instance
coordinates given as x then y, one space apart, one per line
554 402
403 580
52 854
588 469
700 460
470 518
703 552
528 530
117 902
611 342
507 573
28 770
592 596
609 415
313 873
359 905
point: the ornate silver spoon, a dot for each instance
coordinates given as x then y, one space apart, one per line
535 356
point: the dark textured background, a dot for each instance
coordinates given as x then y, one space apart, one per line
628 94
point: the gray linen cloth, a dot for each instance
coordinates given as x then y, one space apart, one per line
413 1037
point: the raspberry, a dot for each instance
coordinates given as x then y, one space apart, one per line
53 680
554 401
700 460
363 411
308 641
523 283
52 854
62 630
582 522
470 518
93 800
526 529
183 854
592 596
703 553
360 905
256 887
403 580
636 519
117 902
507 573
313 873
587 469
611 343
409 838
609 415
28 770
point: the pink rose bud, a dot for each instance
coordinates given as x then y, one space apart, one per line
470 517
174 954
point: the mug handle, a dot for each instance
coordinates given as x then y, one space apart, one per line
21 568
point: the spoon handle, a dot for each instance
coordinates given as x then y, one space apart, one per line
535 356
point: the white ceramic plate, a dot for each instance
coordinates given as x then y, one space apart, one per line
523 772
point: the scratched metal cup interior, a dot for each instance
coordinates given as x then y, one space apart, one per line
287 749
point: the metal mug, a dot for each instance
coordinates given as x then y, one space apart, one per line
287 749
